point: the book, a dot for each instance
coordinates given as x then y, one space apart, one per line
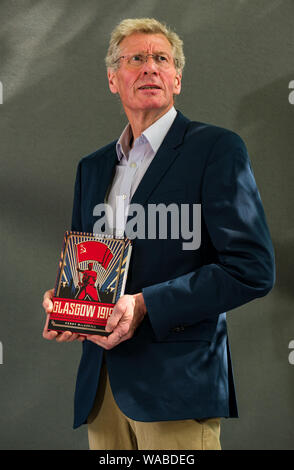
91 277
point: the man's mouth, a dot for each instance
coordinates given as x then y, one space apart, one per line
149 87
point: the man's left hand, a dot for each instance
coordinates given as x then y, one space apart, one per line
127 315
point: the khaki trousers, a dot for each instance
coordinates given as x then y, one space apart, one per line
110 429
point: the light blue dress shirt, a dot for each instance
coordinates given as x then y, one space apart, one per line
132 165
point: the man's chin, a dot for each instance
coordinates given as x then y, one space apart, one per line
153 104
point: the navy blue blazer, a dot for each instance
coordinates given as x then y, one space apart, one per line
177 365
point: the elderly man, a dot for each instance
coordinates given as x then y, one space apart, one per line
163 378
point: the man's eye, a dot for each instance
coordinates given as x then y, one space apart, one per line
136 58
162 58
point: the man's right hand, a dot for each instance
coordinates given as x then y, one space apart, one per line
66 336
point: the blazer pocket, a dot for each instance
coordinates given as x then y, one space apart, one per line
202 332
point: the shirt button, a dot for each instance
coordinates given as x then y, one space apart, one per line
133 165
124 196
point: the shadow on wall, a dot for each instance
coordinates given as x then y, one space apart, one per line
268 109
49 73
285 261
265 117
52 67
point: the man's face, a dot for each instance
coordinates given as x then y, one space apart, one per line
128 81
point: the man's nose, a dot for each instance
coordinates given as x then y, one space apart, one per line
150 65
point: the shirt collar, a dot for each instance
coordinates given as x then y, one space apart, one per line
154 134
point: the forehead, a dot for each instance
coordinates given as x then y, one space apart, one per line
145 42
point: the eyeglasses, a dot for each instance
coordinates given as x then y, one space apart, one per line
137 60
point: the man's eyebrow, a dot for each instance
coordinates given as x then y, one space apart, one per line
162 52
144 52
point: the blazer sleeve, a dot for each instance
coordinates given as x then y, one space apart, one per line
233 213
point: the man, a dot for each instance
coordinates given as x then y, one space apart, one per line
163 378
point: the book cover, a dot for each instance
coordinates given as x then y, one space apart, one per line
91 277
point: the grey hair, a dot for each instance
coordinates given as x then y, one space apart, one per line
148 26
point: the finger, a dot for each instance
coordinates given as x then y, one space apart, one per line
101 341
81 338
45 329
73 337
122 330
115 317
48 294
64 337
108 342
98 339
47 300
50 335
47 305
118 335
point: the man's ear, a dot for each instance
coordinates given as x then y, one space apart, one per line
112 81
177 84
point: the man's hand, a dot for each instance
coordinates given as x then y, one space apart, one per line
127 315
66 336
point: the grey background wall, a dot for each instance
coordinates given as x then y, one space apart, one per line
57 108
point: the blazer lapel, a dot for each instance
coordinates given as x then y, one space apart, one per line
106 173
165 156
